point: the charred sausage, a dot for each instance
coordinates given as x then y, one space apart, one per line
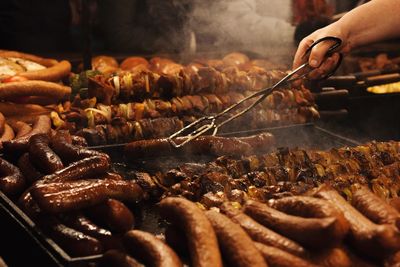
89 167
29 171
114 215
42 156
200 235
74 195
150 250
12 182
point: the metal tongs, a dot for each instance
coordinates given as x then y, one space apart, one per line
208 123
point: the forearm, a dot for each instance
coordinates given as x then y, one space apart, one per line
375 21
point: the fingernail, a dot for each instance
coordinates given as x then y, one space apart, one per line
314 63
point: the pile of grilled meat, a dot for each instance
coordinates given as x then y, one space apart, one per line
127 101
283 172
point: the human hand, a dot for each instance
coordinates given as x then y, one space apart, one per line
317 57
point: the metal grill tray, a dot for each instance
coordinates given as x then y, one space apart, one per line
20 235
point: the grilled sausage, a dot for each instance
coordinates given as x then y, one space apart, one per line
80 222
12 182
237 247
42 156
20 145
310 207
150 250
34 88
54 73
200 235
114 215
29 171
332 257
29 205
74 195
2 123
208 145
21 128
260 233
373 207
89 167
62 144
310 232
8 134
118 259
74 242
367 237
280 258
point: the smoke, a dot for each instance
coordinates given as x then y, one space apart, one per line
257 26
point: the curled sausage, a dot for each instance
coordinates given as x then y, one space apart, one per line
150 250
367 237
200 235
29 171
74 242
114 215
311 232
42 156
373 207
62 144
21 128
12 182
117 258
75 195
260 233
89 167
20 145
237 247
280 258
34 88
310 207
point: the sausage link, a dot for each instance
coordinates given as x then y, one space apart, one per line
29 205
88 167
74 242
311 232
237 247
12 182
75 195
8 134
21 128
62 144
2 123
114 215
150 250
200 235
42 156
29 171
280 258
368 238
260 233
20 145
373 207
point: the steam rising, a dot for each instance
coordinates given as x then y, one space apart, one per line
249 25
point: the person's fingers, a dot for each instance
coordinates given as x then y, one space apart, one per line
301 50
318 53
326 67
